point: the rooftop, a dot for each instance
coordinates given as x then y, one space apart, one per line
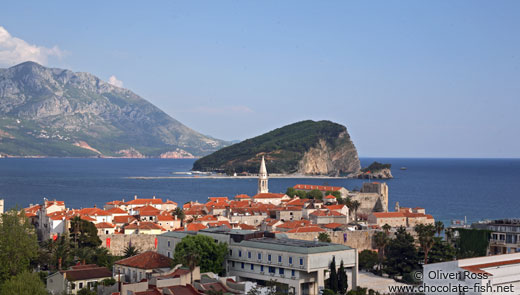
293 245
146 260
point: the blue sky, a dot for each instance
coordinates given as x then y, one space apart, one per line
407 78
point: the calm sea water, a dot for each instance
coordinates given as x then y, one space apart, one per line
447 188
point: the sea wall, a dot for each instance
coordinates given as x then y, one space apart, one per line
117 243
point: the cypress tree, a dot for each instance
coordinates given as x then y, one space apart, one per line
333 278
342 279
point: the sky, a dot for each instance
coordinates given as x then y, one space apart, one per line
407 78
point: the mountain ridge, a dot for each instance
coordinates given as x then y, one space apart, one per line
57 112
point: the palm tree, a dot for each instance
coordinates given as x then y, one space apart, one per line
439 227
180 215
131 251
191 259
355 205
386 228
84 254
425 235
380 241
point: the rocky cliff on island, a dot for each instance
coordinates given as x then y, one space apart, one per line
306 147
376 170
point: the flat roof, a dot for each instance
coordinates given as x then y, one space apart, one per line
292 245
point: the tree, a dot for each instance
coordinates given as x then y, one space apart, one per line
386 228
315 194
84 233
439 227
333 278
180 215
86 291
425 234
401 255
291 192
210 257
368 259
24 283
324 237
355 206
342 279
440 252
380 241
18 244
130 251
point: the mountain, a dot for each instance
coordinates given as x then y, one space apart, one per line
306 147
55 112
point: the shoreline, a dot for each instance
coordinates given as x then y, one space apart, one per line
237 177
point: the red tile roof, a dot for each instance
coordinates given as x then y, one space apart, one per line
184 290
195 226
165 218
388 214
335 207
93 212
246 226
144 225
307 229
146 260
207 218
332 225
105 225
220 223
87 273
144 202
242 196
326 213
123 219
294 224
268 196
116 210
478 268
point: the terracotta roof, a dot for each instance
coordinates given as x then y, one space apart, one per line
116 210
246 226
57 203
478 268
388 214
335 207
294 224
165 218
105 225
218 199
123 219
144 202
171 202
268 196
318 187
298 202
207 218
87 218
144 225
184 290
330 197
153 291
220 223
115 203
194 226
146 260
332 225
326 213
93 212
242 196
307 229
93 272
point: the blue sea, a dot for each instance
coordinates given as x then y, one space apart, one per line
447 188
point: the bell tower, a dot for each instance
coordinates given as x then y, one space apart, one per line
263 186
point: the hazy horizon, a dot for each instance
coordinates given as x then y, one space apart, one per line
407 79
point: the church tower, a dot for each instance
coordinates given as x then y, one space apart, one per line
262 178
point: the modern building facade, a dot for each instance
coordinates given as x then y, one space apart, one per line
263 257
505 235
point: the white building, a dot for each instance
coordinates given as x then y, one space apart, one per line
261 257
499 274
76 278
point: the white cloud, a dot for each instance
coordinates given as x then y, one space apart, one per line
236 109
114 81
15 50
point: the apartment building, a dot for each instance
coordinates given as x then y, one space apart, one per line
505 235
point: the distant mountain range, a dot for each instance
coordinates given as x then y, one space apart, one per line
60 113
306 147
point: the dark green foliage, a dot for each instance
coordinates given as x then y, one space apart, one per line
18 244
401 255
425 234
283 148
440 252
376 166
315 194
328 292
108 282
362 291
86 291
207 254
367 260
291 192
333 278
83 233
342 279
130 251
324 237
24 283
472 242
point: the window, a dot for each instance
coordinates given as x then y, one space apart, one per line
281 271
259 256
252 267
239 253
279 258
272 269
249 255
261 268
269 257
230 252
169 254
290 260
81 285
301 261
232 264
169 244
293 273
242 265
